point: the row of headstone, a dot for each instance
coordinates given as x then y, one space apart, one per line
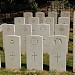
47 20
64 19
41 15
34 52
36 43
24 30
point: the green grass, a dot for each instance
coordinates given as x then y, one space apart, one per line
24 71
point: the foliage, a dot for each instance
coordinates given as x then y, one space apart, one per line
68 3
72 3
17 5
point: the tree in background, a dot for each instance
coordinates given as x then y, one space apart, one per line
72 3
8 6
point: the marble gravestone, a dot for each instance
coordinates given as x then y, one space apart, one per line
34 51
27 15
7 29
12 52
0 61
19 20
74 18
73 21
34 21
64 20
23 31
61 29
41 15
44 30
57 53
73 53
53 14
0 28
74 14
65 14
50 21
74 30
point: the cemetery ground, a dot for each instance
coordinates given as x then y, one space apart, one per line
24 71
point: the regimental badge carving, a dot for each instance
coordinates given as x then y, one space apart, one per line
34 41
33 21
12 41
19 21
42 28
61 28
48 20
25 29
56 40
8 29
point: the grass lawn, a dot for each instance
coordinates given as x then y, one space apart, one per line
24 71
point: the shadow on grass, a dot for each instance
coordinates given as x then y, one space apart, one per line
70 39
1 48
24 65
45 67
69 68
70 51
3 65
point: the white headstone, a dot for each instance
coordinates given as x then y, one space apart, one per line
61 29
74 54
44 30
41 15
19 20
64 20
0 28
12 51
7 29
34 51
27 15
58 53
23 31
34 21
74 14
74 18
65 14
74 30
50 21
53 14
0 61
73 21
